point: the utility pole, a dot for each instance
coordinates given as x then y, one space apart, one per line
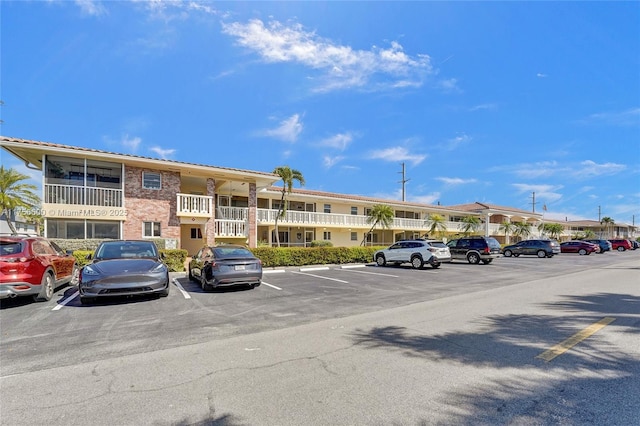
599 214
533 201
403 181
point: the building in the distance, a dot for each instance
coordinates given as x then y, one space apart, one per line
89 193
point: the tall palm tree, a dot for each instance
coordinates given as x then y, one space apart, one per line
608 223
553 229
288 176
522 229
507 227
469 224
379 214
436 224
16 193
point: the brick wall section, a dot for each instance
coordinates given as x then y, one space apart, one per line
210 229
151 205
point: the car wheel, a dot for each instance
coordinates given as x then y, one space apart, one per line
621 248
380 260
165 293
507 253
516 255
46 288
87 300
204 284
416 262
473 258
190 275
435 264
582 252
487 261
542 254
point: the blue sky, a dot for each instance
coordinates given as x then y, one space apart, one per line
482 101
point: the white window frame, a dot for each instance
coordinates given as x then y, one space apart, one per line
326 236
144 229
145 184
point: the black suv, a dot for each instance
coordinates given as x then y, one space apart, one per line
475 249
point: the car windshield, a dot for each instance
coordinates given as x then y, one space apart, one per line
231 252
8 248
124 250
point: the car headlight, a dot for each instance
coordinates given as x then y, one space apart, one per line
88 270
161 267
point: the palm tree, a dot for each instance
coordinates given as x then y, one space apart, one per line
15 193
522 229
469 225
379 214
436 224
288 176
553 229
507 227
607 222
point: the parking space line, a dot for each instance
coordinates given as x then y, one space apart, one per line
182 290
65 301
567 344
372 273
320 276
272 286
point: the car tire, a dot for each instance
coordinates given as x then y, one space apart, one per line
75 275
542 254
473 258
507 253
487 261
380 260
46 288
204 284
582 252
621 248
417 262
436 264
190 275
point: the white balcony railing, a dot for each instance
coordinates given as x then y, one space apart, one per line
231 228
84 195
194 205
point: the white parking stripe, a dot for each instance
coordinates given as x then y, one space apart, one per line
182 290
320 276
371 273
272 286
65 301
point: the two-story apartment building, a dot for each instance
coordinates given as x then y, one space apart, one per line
89 193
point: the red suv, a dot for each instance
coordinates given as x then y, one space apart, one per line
33 266
621 244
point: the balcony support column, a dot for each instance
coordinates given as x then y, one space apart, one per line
253 223
210 227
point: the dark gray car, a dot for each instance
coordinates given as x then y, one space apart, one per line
541 248
475 249
226 265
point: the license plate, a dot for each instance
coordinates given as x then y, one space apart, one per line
239 267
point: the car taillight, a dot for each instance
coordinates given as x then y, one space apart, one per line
16 259
487 250
432 249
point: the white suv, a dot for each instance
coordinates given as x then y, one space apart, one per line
416 252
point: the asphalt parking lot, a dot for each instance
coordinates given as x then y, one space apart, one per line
287 297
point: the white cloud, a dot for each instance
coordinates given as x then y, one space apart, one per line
481 107
455 142
288 130
590 169
630 117
546 193
425 199
91 7
340 66
162 153
397 154
329 162
131 144
338 141
455 181
541 75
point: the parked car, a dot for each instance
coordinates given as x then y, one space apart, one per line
33 266
621 244
227 265
123 268
605 245
541 248
475 249
580 247
416 252
440 250
636 244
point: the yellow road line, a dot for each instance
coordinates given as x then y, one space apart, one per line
565 345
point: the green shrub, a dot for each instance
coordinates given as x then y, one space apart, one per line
173 258
299 256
